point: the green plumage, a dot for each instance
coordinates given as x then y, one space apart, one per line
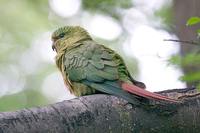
87 66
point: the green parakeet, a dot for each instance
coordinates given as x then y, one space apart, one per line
88 67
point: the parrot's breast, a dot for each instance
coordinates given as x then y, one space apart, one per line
80 89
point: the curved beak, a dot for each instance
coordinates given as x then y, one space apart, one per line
53 47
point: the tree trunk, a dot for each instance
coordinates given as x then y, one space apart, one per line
183 10
105 113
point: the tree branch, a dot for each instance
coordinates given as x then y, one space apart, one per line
104 113
183 41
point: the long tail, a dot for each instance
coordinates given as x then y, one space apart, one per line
143 93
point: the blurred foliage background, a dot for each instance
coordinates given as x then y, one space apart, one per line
28 75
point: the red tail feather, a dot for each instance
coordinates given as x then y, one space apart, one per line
143 93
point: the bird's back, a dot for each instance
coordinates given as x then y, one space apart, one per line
87 62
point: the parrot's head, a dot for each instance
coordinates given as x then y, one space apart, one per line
66 36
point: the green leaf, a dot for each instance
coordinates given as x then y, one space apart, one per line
191 77
175 60
193 21
191 59
188 60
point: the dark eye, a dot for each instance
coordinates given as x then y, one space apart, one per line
61 35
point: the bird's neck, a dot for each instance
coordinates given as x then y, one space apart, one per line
69 44
76 38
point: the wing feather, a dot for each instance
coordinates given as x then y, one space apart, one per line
90 62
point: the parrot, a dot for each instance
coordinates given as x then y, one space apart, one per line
88 67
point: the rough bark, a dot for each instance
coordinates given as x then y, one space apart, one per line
104 113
